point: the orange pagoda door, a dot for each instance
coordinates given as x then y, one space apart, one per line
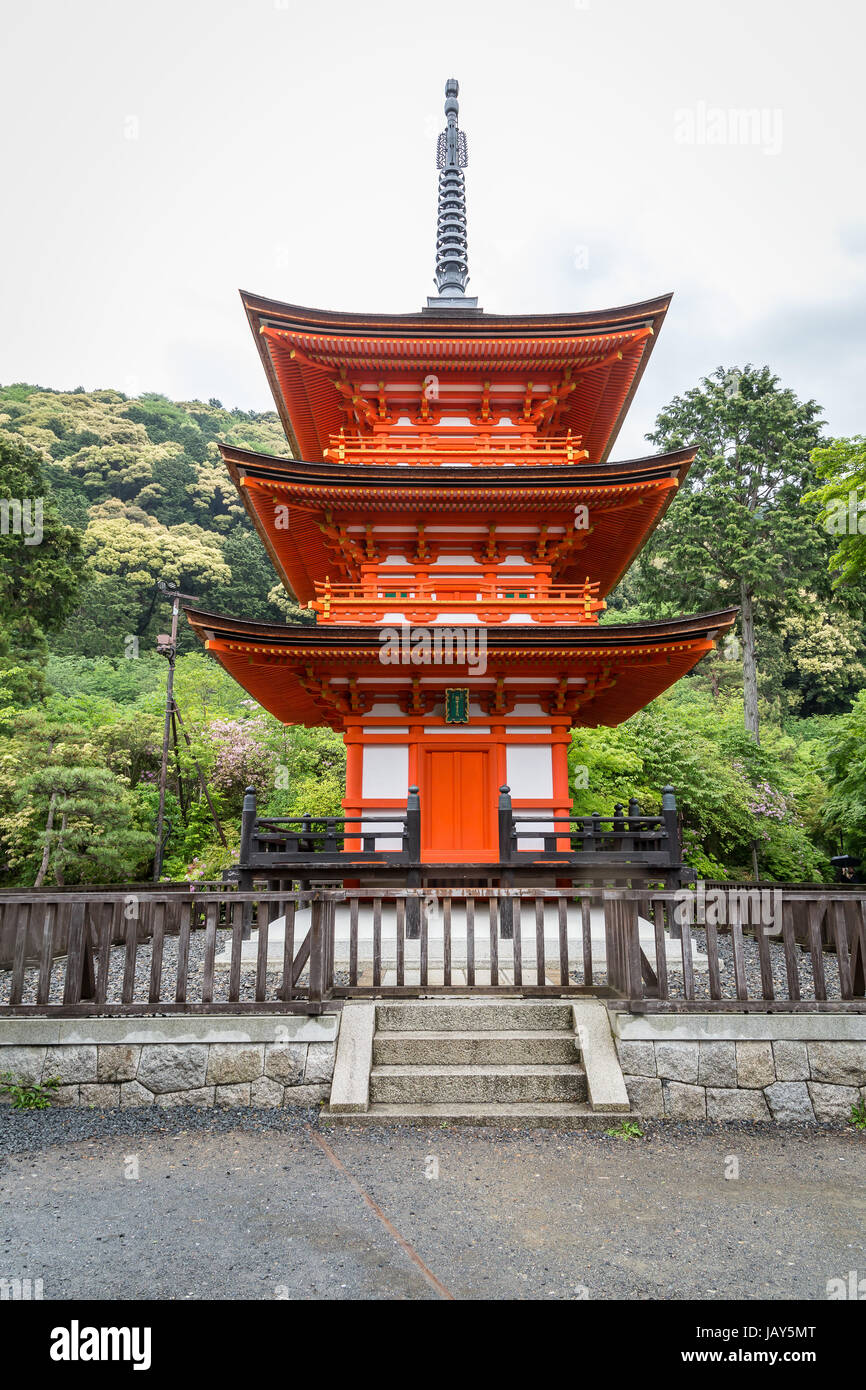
458 805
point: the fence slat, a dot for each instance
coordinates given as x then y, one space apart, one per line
446 941
586 933
156 953
631 944
22 930
789 942
661 948
401 937
210 932
422 969
377 941
737 948
688 966
562 908
494 941
470 941
540 965
237 951
712 934
286 988
840 932
187 910
353 941
857 937
262 954
74 954
816 916
764 959
111 917
517 937
128 987
46 959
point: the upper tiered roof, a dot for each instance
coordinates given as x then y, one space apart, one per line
519 377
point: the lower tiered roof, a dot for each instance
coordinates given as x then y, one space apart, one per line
593 675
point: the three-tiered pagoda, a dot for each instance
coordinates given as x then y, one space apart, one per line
451 514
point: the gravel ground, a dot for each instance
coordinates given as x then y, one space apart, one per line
752 967
249 1206
116 967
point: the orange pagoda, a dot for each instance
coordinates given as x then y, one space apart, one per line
451 515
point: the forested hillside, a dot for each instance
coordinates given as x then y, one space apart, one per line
765 743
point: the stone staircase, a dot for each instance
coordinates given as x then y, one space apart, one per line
465 1060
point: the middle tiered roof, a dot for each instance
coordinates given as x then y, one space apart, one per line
578 520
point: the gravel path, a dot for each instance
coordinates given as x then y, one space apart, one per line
752 967
250 1206
116 967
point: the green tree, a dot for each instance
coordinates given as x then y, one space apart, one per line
40 565
842 500
737 532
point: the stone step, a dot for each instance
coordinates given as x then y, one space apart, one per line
432 1047
473 1016
431 1085
519 1115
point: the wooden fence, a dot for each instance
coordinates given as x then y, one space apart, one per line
776 957
161 952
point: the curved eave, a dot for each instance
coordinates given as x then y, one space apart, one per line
299 555
286 668
393 476
304 429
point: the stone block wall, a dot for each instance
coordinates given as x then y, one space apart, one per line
282 1061
788 1080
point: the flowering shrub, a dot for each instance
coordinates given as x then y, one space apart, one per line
769 802
242 757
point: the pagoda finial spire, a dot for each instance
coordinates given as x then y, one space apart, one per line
452 260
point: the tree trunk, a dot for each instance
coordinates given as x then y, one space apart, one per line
46 853
750 666
58 862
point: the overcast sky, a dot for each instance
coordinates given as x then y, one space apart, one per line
157 157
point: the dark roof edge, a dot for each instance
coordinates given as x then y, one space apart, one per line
689 625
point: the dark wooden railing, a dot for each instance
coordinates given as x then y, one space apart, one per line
806 978
628 840
116 953
156 953
294 846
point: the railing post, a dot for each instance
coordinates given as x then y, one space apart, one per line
413 826
622 946
633 822
245 874
317 914
413 874
506 821
673 847
506 850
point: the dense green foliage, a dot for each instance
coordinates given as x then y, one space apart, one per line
134 492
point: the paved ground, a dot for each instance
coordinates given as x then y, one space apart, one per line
255 1207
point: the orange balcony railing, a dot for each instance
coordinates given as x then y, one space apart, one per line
453 447
427 602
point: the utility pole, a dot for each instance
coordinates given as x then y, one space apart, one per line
167 649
